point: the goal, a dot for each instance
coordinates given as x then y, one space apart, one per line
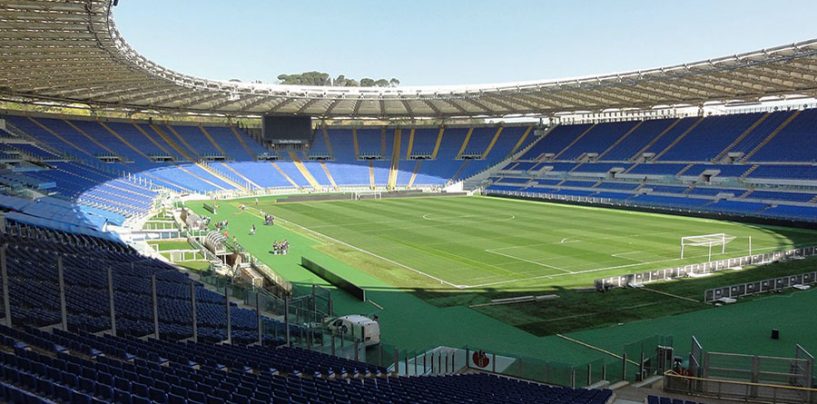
706 240
366 195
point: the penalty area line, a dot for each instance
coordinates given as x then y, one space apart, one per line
391 261
528 261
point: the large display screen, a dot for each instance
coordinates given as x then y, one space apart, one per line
287 129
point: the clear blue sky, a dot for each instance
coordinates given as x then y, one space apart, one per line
428 42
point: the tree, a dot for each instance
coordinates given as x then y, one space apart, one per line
315 78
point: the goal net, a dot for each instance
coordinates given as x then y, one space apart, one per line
366 195
708 241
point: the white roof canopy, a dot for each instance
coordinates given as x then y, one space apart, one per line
70 51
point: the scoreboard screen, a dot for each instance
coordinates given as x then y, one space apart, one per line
287 129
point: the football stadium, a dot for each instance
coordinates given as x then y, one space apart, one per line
648 236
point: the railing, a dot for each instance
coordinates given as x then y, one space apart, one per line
666 274
303 316
680 112
737 390
763 286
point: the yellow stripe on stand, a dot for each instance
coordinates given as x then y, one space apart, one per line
395 159
242 176
414 173
243 143
410 144
171 143
212 141
437 145
89 137
522 139
354 143
329 175
286 177
493 142
371 174
123 140
304 171
58 136
465 142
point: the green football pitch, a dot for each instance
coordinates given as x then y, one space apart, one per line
430 264
479 242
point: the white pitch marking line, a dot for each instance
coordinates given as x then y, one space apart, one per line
484 218
530 261
589 271
374 255
623 255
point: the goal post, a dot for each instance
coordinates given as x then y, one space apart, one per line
706 240
358 195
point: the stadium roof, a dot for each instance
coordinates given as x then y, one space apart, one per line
69 51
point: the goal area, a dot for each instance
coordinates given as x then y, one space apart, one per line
359 195
706 240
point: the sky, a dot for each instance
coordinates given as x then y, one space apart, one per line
438 42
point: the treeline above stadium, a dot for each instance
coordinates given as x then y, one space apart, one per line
323 79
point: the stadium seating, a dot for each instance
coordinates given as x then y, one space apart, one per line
790 143
637 140
728 164
80 365
666 400
597 140
710 137
611 154
34 289
159 371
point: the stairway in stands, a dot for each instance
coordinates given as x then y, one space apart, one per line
740 138
222 177
304 171
771 136
172 143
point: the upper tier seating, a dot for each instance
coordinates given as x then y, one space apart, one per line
597 140
683 147
733 185
710 137
557 140
637 139
793 142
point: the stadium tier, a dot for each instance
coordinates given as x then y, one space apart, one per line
79 365
741 165
117 369
119 167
